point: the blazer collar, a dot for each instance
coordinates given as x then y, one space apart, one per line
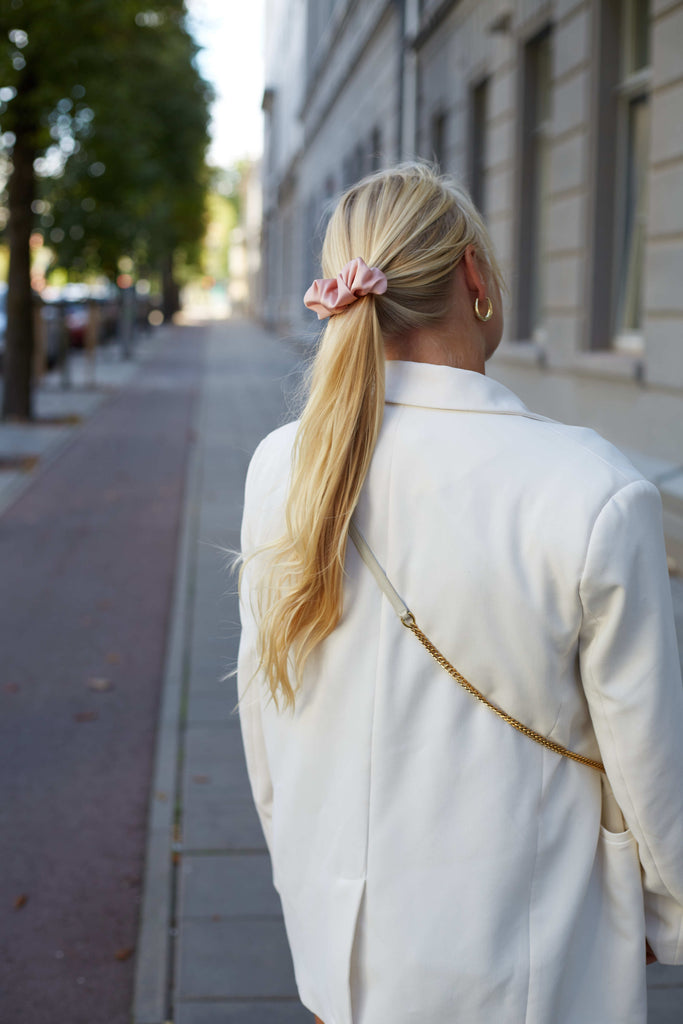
447 387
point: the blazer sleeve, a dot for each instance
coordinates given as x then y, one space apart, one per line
248 682
631 673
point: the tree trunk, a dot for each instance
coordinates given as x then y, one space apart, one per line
170 302
19 339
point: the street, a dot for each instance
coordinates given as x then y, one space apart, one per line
88 558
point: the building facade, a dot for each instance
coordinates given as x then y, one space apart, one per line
565 120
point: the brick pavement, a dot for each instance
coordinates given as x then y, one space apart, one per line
88 550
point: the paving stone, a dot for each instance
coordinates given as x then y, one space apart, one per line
236 958
228 884
664 1006
213 820
221 756
210 710
257 1012
665 976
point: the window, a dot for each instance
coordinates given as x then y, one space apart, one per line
633 134
534 181
478 153
621 144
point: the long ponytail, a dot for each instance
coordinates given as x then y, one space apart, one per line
300 600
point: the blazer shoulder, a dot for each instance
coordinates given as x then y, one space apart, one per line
269 466
274 449
594 456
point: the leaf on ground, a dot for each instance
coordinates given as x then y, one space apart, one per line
201 778
21 900
176 857
124 954
161 796
99 684
86 716
113 658
11 687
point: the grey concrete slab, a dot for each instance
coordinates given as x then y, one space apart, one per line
665 976
252 1012
81 402
29 438
665 1006
215 819
220 756
207 709
236 958
227 885
207 682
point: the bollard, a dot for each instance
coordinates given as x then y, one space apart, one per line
91 339
64 345
126 324
40 340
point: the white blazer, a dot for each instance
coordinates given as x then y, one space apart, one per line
434 865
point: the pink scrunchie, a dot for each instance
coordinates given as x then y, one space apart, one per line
328 295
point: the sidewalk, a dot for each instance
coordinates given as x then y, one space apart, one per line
212 948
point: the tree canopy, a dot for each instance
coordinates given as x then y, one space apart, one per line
104 116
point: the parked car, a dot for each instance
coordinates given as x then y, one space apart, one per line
74 300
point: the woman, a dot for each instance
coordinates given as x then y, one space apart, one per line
434 864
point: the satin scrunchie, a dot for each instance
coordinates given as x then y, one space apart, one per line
329 295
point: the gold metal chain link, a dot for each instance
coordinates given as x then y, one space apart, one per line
409 621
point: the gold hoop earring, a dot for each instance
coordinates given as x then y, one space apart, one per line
489 309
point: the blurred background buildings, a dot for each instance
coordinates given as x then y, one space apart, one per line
565 119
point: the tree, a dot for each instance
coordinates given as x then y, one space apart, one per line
107 115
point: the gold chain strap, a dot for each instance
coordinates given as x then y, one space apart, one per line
409 621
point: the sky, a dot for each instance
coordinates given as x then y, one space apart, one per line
231 32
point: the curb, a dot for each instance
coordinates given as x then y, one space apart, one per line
151 997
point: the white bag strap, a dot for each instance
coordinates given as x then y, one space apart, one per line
383 582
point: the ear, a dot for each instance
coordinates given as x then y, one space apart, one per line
473 275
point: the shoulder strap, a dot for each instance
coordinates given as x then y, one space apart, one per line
408 620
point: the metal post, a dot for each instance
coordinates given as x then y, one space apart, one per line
64 345
91 339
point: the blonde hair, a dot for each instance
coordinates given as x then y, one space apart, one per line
415 226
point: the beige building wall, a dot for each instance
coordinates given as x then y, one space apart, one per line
546 144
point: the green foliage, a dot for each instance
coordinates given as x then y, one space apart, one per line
111 96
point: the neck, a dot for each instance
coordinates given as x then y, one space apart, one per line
464 353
